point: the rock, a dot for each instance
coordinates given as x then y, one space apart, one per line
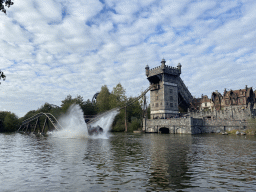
243 133
225 133
137 132
237 132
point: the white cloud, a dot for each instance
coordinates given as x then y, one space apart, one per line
54 48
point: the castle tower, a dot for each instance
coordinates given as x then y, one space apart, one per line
168 91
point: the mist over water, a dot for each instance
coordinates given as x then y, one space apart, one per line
105 122
74 126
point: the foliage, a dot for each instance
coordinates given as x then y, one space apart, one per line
102 102
117 97
68 101
5 3
9 122
118 124
2 76
89 108
134 125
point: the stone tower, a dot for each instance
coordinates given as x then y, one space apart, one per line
168 91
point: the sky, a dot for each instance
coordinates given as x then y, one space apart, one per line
53 48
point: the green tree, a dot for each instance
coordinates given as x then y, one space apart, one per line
117 97
118 124
68 101
134 125
11 122
89 108
102 102
7 3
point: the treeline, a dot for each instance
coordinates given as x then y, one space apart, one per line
9 122
106 100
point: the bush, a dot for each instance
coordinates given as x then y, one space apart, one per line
118 126
11 123
134 125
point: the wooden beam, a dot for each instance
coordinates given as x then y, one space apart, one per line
45 122
36 124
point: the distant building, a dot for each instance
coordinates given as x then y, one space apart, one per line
206 103
242 98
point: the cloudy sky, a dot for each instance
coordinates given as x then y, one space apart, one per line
53 48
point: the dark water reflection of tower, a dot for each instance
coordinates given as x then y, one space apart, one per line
168 166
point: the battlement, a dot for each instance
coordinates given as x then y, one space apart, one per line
164 69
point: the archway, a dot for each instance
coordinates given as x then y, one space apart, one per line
164 130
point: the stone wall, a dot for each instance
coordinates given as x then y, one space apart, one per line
216 125
193 125
234 112
179 125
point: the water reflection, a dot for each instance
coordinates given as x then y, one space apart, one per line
168 164
128 162
218 161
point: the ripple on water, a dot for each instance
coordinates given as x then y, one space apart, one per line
128 162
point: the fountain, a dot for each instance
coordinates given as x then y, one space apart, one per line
74 125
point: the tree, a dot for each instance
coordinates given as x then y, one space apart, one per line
68 101
2 76
10 123
7 3
89 108
103 99
117 97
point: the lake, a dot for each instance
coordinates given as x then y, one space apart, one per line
128 162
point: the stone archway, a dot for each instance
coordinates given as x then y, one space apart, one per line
164 130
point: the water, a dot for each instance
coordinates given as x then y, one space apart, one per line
73 161
74 126
128 162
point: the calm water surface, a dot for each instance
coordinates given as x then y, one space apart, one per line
128 162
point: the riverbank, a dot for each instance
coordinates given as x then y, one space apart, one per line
250 131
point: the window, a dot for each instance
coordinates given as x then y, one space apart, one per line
156 97
156 104
170 90
205 104
171 98
171 104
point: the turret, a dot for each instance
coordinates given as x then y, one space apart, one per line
179 67
163 63
147 70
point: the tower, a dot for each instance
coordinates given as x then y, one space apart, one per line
168 90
